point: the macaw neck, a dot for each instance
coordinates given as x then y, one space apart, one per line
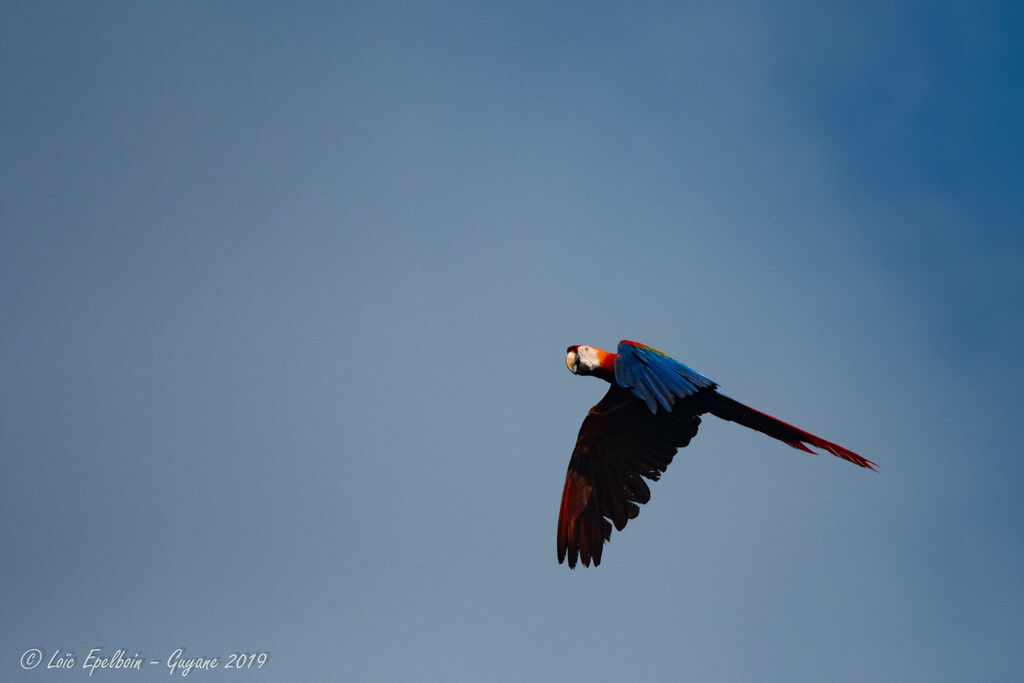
606 370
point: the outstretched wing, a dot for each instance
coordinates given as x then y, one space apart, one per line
655 378
620 443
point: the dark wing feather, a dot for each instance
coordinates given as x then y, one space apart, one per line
620 443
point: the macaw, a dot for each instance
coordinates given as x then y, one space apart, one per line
652 408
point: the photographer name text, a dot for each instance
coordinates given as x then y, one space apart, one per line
178 663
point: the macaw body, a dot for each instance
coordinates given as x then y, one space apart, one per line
652 408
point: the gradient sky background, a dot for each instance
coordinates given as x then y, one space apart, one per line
287 289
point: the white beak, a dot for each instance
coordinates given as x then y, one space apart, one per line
570 361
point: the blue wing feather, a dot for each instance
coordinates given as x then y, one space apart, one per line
655 378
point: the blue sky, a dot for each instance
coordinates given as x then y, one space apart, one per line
287 293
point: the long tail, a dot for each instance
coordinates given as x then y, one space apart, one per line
728 409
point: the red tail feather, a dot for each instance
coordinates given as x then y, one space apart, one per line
728 409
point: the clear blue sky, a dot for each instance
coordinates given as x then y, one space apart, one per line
287 289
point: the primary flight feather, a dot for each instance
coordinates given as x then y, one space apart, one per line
652 408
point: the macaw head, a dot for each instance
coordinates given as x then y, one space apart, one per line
586 360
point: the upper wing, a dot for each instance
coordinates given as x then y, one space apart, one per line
620 443
655 378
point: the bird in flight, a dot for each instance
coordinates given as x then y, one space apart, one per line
652 408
